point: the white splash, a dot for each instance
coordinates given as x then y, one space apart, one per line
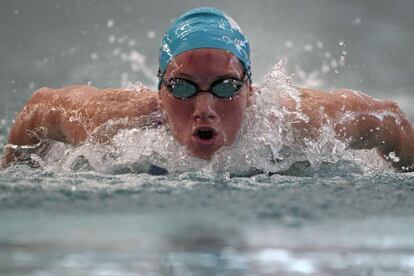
266 141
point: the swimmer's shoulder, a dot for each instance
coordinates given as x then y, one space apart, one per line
142 100
96 106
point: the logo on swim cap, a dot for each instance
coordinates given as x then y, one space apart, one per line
204 28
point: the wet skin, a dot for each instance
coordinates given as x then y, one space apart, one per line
77 113
204 111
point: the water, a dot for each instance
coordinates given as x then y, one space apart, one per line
75 223
279 207
96 211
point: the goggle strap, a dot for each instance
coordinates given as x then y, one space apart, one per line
160 76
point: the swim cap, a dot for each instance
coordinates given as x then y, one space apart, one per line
204 28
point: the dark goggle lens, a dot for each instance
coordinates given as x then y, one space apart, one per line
227 88
182 89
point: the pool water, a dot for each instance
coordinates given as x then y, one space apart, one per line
77 223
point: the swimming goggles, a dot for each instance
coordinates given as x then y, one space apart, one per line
184 89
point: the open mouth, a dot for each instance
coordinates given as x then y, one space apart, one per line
205 134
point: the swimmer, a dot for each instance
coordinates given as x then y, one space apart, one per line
205 88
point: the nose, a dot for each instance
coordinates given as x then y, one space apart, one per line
204 107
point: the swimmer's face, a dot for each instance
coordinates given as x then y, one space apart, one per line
204 123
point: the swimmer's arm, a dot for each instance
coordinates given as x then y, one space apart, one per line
365 123
74 113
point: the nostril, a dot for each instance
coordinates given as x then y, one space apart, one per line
205 115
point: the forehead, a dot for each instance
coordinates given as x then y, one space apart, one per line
206 61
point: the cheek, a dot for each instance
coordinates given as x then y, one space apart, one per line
178 113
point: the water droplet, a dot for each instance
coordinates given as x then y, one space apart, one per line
288 44
308 47
132 43
341 43
32 85
116 51
111 39
325 68
110 23
94 56
344 53
356 21
151 34
393 156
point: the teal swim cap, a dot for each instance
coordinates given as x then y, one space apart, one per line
204 28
